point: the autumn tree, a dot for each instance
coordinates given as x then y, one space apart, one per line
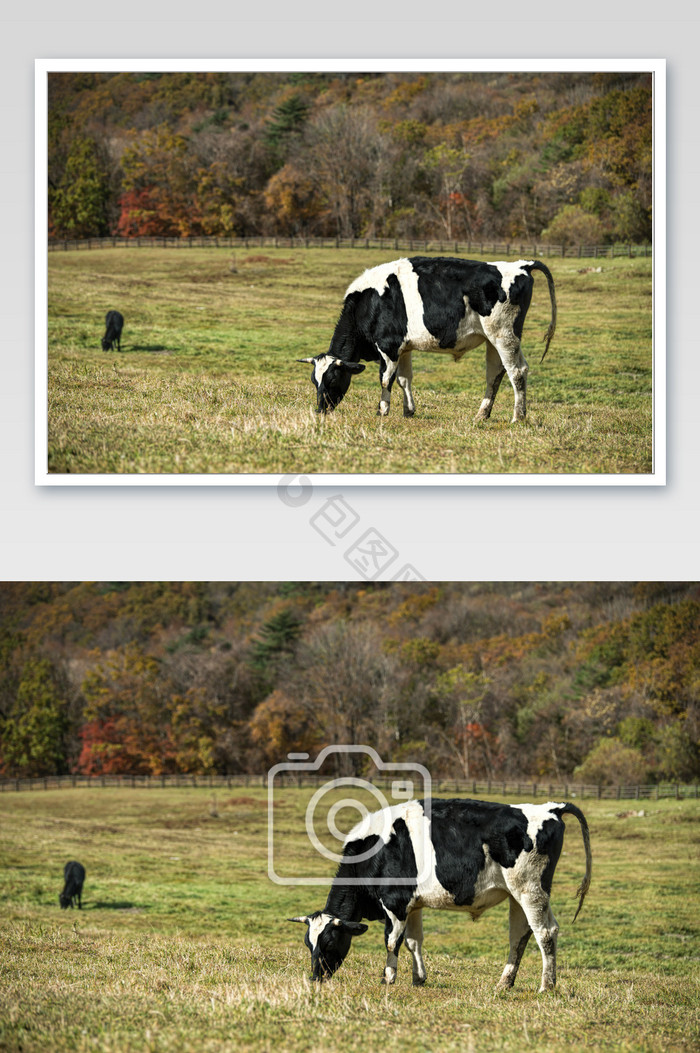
448 166
77 205
127 716
612 763
158 186
461 695
34 732
348 160
572 225
293 202
342 677
280 725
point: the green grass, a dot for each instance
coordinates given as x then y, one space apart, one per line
182 943
207 380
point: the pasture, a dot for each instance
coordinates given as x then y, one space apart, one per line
207 380
182 942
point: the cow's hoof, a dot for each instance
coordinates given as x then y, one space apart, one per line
408 412
482 416
418 982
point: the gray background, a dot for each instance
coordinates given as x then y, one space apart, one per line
479 533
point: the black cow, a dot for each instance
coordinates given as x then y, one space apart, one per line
74 876
450 854
431 304
115 323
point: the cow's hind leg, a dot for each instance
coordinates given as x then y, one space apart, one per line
516 367
520 933
495 372
544 926
414 942
404 378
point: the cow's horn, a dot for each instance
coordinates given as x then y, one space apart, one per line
305 360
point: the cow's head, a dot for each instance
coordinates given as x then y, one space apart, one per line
328 939
64 900
331 377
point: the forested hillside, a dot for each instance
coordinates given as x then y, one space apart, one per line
559 157
600 681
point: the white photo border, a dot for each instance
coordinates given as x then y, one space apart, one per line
654 66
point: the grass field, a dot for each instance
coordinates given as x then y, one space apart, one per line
182 942
207 380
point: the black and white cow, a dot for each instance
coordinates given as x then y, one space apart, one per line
431 304
73 878
466 855
114 322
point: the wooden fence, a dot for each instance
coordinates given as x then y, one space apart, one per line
522 788
494 249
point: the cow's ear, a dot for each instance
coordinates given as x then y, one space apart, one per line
304 919
352 367
355 928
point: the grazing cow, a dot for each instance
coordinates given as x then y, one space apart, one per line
73 875
431 304
115 323
466 855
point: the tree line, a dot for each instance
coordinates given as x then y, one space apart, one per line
590 681
558 157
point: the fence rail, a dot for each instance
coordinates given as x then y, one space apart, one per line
522 788
481 247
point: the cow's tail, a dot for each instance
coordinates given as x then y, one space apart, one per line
537 265
586 883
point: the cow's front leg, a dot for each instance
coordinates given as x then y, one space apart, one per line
393 937
495 372
414 942
404 378
520 933
387 374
